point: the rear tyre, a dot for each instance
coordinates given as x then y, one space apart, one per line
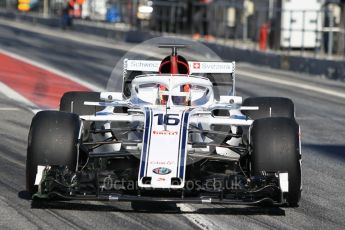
53 139
275 146
127 86
269 107
73 102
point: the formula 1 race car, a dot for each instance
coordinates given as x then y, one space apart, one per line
167 138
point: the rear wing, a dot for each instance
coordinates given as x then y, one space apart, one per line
195 67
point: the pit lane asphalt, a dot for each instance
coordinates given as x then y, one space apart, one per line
323 131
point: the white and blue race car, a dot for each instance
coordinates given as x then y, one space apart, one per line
167 138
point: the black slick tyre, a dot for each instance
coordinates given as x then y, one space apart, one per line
53 140
73 102
269 107
275 147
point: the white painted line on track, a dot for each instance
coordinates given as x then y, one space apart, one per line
36 110
200 221
12 94
9 109
294 84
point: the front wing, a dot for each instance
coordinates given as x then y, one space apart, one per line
58 182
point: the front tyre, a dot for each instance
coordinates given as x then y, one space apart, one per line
53 140
275 146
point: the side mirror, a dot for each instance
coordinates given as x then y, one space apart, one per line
111 96
231 100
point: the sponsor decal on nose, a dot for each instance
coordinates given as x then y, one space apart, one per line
161 171
165 132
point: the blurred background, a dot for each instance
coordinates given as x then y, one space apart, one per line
312 28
